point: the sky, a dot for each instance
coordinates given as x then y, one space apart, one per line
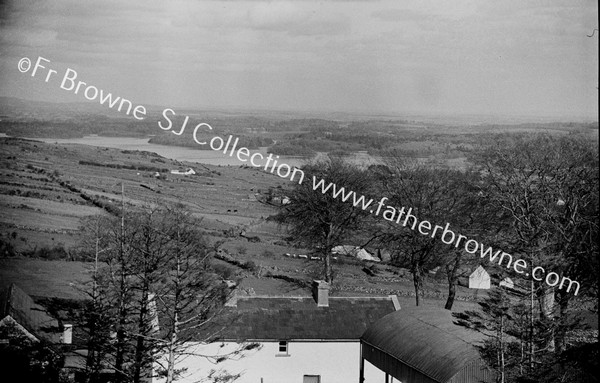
502 58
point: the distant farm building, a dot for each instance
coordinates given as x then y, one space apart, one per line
280 201
507 282
480 279
187 172
355 252
422 345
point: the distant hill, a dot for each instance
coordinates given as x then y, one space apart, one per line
16 107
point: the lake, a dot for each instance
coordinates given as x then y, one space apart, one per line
179 153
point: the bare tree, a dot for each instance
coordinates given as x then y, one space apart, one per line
437 195
547 189
318 219
95 316
191 296
160 265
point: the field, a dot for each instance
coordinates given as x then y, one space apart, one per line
46 189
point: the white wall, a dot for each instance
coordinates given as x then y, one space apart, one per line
335 362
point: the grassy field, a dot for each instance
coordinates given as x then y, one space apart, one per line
46 189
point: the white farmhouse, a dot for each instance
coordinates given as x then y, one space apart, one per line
301 339
187 172
480 279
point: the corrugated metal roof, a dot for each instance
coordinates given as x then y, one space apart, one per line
427 340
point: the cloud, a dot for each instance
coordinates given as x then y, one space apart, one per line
463 54
296 18
276 15
396 15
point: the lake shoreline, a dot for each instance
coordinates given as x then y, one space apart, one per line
179 153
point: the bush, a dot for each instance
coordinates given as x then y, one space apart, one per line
224 271
50 253
249 265
7 249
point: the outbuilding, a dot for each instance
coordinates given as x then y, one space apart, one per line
422 345
480 279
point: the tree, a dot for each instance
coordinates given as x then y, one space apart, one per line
191 295
150 250
438 196
547 190
315 218
95 315
157 265
493 320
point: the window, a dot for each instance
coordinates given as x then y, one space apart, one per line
283 347
312 379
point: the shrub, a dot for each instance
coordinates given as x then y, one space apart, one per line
7 249
50 253
249 265
224 271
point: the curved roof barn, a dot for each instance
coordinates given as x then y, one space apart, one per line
424 345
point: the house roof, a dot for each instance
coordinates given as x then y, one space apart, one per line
426 340
479 272
299 318
15 303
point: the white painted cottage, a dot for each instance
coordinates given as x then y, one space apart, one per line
187 172
302 339
480 279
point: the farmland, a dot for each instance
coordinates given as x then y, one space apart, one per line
47 189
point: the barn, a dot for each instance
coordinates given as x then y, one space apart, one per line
422 345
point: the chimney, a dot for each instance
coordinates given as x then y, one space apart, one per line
67 335
320 290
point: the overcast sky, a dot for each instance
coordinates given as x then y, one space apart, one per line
459 57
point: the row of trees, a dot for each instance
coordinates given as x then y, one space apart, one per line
547 189
320 221
535 197
153 289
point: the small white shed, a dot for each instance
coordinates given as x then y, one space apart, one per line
479 279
